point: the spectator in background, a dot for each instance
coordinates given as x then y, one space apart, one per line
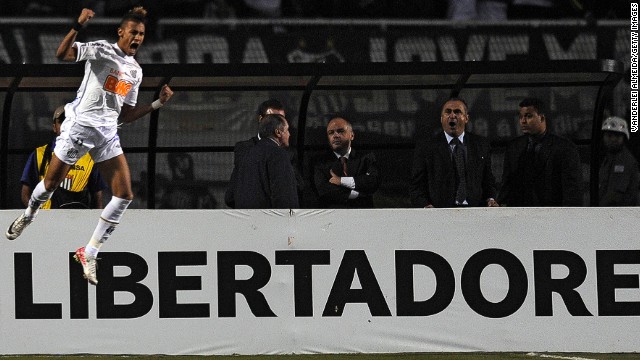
184 191
260 8
486 10
181 165
540 168
619 177
611 9
82 187
452 168
265 178
161 184
219 9
344 177
543 9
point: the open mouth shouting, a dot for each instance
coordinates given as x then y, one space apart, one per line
133 48
131 37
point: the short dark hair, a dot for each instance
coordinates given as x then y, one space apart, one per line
137 14
269 104
535 103
464 103
269 123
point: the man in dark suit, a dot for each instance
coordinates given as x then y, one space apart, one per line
452 168
271 106
265 177
540 168
343 177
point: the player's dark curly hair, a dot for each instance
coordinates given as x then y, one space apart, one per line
137 14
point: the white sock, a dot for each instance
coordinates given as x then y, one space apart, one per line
91 250
39 196
109 219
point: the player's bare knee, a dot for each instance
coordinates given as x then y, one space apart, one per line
50 186
125 196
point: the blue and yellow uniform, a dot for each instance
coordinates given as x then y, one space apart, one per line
73 192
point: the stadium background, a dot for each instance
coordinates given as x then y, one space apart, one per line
206 124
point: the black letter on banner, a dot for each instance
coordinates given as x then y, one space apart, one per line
303 261
445 283
78 290
472 292
608 282
341 292
545 285
109 284
25 307
169 284
228 286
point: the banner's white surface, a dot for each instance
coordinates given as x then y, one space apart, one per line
340 296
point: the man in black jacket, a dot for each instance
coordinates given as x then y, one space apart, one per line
540 168
452 168
270 106
344 177
619 176
265 178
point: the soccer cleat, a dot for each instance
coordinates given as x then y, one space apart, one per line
17 226
88 265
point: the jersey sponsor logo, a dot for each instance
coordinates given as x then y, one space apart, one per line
114 85
116 72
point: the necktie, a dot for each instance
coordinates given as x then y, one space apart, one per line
343 160
458 157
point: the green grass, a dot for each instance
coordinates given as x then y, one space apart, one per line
431 356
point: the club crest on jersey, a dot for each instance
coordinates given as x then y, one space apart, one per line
72 153
134 73
114 85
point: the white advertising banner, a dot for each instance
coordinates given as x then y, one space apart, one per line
331 281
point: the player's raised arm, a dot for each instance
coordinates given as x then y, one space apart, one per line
66 51
131 113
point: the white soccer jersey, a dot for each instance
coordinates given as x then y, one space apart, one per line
111 78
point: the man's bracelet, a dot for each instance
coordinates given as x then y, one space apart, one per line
157 104
77 26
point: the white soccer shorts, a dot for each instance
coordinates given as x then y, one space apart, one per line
75 140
